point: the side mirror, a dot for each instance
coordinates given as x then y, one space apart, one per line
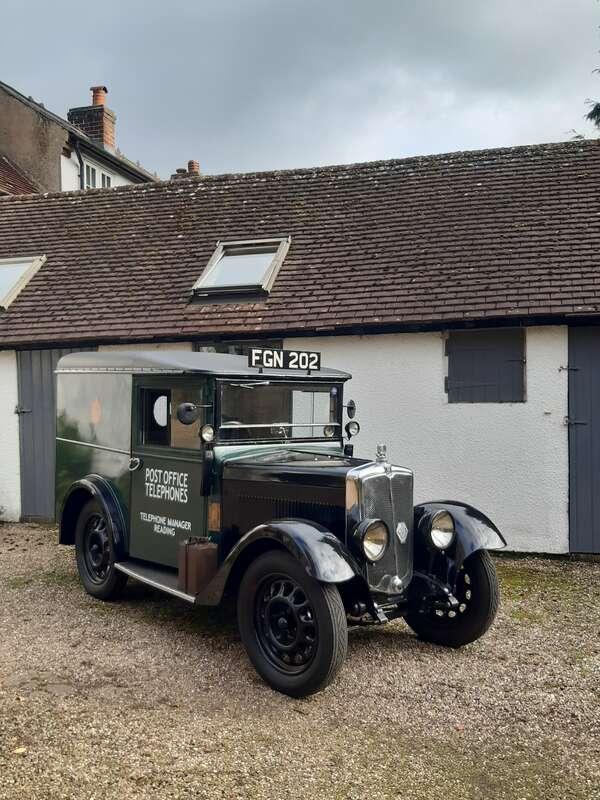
187 413
351 409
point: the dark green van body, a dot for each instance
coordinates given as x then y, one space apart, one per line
292 483
93 431
163 488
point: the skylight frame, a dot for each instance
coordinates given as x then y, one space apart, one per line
280 245
36 264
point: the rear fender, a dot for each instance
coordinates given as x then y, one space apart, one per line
474 531
98 488
322 555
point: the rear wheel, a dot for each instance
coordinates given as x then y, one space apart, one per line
94 552
293 627
478 596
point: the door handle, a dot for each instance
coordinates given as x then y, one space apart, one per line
134 463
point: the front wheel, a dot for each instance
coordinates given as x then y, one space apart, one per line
478 596
293 627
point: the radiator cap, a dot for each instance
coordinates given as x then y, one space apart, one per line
381 453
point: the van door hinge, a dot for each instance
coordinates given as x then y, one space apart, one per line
568 421
21 410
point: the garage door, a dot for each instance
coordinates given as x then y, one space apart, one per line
584 439
37 429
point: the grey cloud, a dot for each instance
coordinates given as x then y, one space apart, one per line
275 83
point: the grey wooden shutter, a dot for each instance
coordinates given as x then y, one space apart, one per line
486 366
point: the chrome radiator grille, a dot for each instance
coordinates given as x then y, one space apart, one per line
381 491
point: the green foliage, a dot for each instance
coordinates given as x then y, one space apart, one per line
593 114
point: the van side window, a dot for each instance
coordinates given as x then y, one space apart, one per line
156 406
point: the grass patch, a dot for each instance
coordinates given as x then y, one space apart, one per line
519 581
532 596
526 616
51 579
58 578
19 582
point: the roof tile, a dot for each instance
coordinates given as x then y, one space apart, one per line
482 235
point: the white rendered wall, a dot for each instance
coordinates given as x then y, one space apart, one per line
510 460
69 173
10 478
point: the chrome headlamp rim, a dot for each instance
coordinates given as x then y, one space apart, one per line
442 530
207 433
362 530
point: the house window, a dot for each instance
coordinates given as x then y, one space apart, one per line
90 177
15 274
486 366
106 182
241 348
242 267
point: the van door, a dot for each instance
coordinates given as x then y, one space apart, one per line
167 502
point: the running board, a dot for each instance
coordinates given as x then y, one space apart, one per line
158 577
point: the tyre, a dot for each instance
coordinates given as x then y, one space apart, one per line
293 627
94 552
478 595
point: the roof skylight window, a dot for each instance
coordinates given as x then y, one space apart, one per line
242 267
15 274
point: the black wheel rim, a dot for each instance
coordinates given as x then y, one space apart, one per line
464 595
286 624
96 549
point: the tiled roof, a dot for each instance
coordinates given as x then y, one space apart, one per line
489 235
12 180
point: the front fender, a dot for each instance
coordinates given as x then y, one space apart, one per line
322 554
474 531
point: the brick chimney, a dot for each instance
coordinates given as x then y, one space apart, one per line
193 168
97 120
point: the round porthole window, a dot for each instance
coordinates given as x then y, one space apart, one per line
160 410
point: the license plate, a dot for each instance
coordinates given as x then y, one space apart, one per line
268 358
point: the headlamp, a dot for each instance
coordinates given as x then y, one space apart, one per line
442 530
207 433
352 429
372 536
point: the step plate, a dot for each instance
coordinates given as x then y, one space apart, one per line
158 578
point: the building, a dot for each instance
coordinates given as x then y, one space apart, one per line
462 291
51 154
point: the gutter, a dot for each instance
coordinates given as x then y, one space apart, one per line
77 149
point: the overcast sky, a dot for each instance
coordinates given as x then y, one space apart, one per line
246 85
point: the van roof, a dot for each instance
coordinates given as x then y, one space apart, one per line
177 362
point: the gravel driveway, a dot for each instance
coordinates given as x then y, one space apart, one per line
150 698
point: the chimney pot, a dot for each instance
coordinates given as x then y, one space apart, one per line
98 95
193 167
